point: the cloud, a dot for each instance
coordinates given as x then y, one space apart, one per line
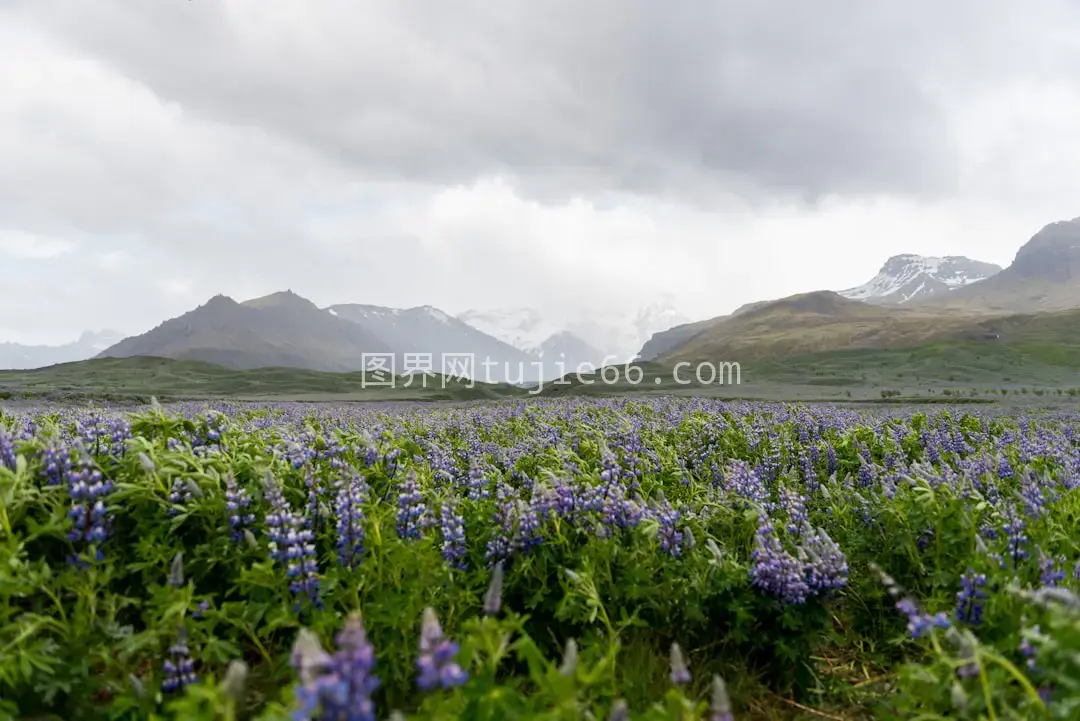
563 155
18 244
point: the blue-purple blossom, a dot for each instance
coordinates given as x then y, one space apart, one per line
7 449
412 513
825 566
436 666
775 570
88 489
349 509
335 687
452 529
237 503
178 667
292 544
1050 571
970 599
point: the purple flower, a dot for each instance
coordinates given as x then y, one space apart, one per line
412 513
292 544
825 566
452 528
680 674
436 666
179 668
7 449
87 489
970 599
237 503
349 509
775 570
337 687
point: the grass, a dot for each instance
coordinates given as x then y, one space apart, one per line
164 378
938 372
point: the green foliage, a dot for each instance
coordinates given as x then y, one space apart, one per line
89 639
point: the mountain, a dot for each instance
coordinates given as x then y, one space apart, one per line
278 330
815 322
906 277
1044 276
428 330
15 356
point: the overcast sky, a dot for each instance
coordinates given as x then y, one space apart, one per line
561 155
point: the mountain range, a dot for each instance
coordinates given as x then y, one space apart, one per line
16 356
912 299
904 278
286 330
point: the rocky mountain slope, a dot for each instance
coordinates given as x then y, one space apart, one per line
1044 276
904 278
16 356
281 330
816 322
428 330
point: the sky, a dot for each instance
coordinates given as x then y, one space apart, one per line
560 155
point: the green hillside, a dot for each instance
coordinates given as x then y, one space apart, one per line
145 376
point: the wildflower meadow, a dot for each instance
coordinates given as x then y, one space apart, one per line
661 558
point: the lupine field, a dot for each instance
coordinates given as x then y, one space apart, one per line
606 559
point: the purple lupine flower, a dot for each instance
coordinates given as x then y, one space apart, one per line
970 599
1028 649
237 503
775 570
56 459
7 449
452 528
412 513
529 517
1050 571
1014 532
87 489
204 606
920 623
178 667
745 483
292 544
720 704
671 538
479 484
349 509
506 538
825 565
436 666
337 687
680 673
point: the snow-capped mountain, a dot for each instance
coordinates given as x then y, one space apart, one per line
14 356
906 277
523 328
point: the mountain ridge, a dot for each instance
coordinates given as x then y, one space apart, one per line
908 276
19 356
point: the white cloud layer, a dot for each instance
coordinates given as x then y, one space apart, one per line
553 155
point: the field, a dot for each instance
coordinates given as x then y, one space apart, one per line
564 558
